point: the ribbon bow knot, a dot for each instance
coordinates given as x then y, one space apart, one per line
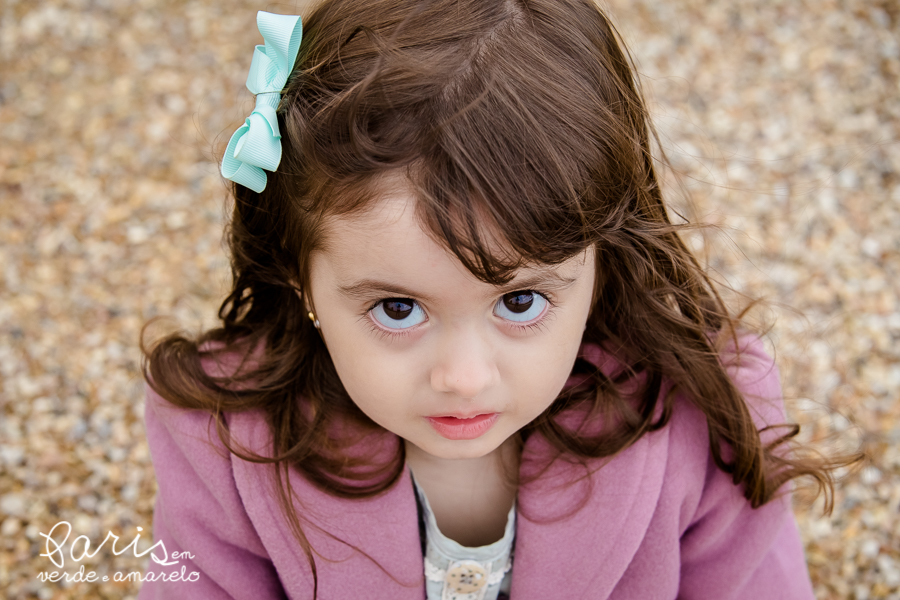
256 145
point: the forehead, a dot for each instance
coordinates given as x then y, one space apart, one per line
389 219
385 234
385 243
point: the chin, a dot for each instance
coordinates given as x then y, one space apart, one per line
461 449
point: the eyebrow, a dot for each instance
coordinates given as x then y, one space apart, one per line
365 289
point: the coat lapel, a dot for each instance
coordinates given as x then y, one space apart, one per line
599 539
384 527
596 522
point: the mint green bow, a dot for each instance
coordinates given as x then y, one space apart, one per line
256 145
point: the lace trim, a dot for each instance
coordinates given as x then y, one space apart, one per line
435 573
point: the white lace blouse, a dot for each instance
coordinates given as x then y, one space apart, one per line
456 572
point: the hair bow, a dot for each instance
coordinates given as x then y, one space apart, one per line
256 145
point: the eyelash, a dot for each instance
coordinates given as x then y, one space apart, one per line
399 333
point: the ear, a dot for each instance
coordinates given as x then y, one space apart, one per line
306 306
302 299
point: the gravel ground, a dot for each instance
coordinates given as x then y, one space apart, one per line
781 118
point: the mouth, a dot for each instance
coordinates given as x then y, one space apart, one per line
454 427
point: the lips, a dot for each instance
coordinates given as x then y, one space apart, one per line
455 427
461 417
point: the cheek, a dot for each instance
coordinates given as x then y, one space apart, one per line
371 376
536 377
550 363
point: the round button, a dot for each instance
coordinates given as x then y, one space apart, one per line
466 577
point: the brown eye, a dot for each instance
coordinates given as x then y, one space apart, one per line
398 313
522 306
398 308
518 302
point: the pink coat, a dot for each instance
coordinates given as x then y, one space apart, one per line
661 521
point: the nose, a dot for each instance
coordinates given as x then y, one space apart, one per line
465 366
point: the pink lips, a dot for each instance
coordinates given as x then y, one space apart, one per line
456 428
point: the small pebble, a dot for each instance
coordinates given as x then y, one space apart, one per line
781 120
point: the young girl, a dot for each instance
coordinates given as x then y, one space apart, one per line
466 355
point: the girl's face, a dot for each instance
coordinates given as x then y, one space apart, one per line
449 363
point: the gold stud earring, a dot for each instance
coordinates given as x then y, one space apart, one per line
313 318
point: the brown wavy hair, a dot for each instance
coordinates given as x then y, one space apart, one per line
528 114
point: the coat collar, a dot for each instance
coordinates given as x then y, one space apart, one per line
597 519
384 527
